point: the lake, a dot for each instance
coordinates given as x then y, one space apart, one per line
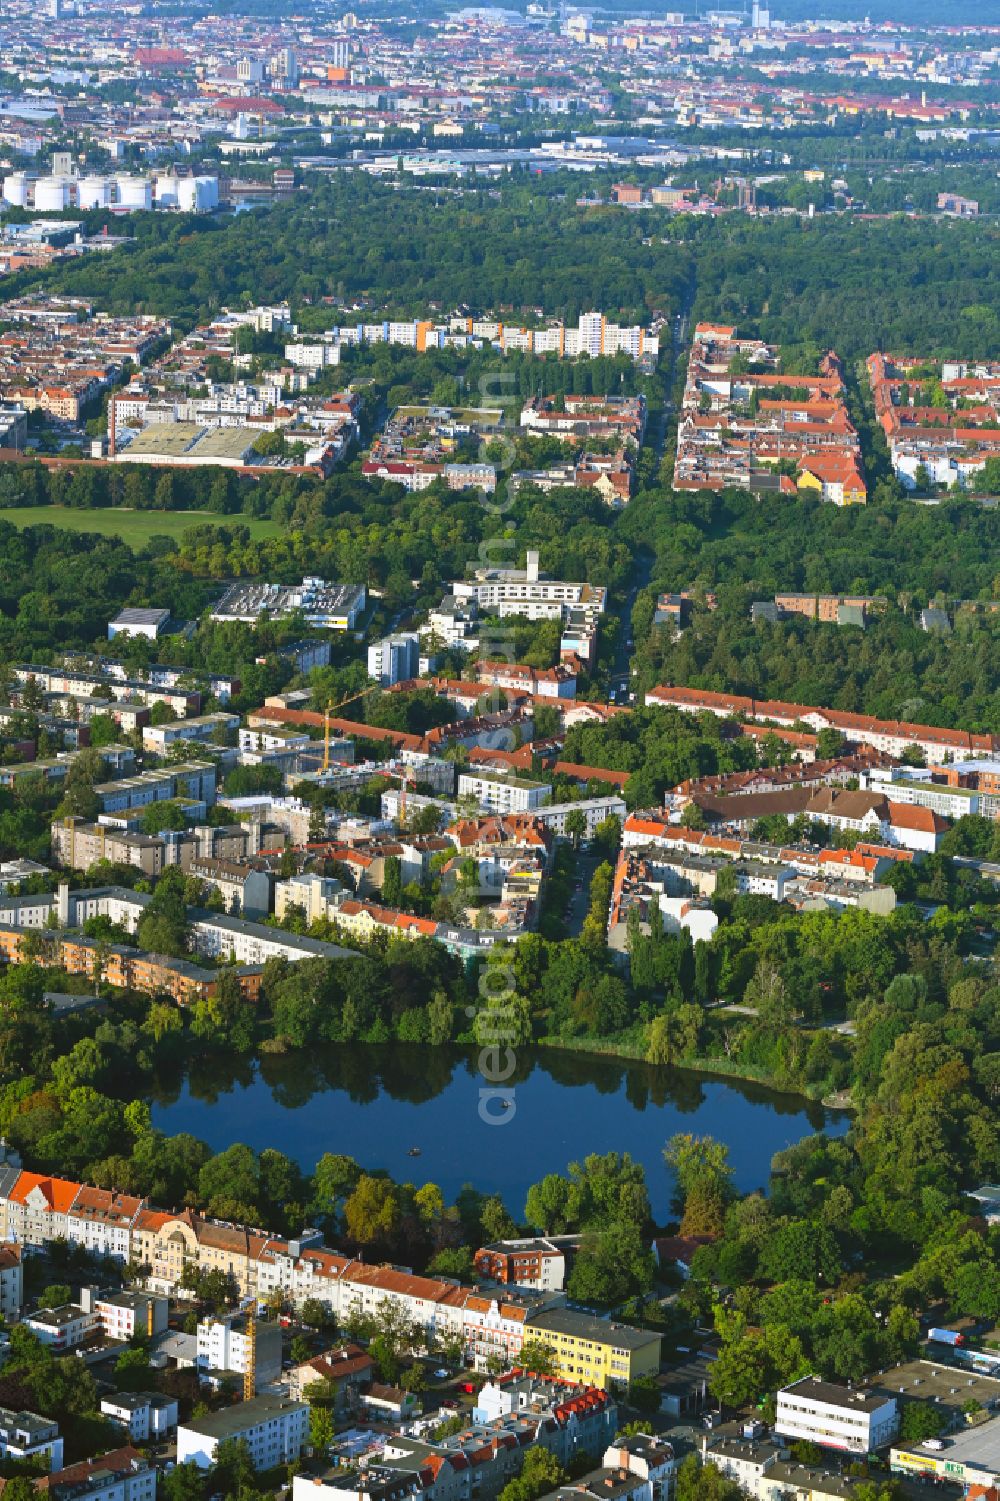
376 1103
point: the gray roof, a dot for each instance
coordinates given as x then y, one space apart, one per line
230 1422
853 1400
585 1326
133 616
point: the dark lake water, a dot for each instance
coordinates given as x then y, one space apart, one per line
375 1103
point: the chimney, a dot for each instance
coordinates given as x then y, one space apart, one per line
62 904
531 569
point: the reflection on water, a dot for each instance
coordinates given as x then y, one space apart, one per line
376 1103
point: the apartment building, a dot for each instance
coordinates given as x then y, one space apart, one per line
11 1282
836 1417
595 810
127 1314
191 780
218 936
596 1351
160 737
225 1347
145 1416
527 591
274 1429
547 682
890 736
537 1263
61 1329
502 792
122 1475
27 1436
394 659
77 845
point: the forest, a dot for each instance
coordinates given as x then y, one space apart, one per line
351 242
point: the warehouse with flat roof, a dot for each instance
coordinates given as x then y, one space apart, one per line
188 443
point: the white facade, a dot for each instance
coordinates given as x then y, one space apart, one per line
835 1417
394 659
26 1435
274 1430
126 1314
503 794
224 1345
313 356
11 1284
594 809
144 1415
61 1328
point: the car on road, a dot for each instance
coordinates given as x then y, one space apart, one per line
441 1374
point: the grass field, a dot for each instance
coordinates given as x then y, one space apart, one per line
134 527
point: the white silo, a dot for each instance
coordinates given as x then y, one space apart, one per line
15 189
135 192
94 192
51 195
166 191
197 195
210 186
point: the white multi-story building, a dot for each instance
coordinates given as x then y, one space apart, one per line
123 1315
11 1284
311 894
143 1415
214 935
394 659
528 592
501 793
836 1417
25 1435
596 810
313 356
273 1428
61 1328
224 1345
122 1475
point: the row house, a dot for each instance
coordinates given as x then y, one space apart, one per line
36 1209
890 736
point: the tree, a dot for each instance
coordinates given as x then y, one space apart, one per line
539 1357
699 1480
372 1211
321 1428
57 1295
541 1473
576 825
316 1315
334 1178
803 1250
920 1420
829 744
392 881
611 1266
186 1482
233 1473
700 1165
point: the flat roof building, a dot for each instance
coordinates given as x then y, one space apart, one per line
138 622
274 1429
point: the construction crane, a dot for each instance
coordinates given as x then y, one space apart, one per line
249 1305
409 774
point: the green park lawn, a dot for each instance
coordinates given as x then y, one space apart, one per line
133 527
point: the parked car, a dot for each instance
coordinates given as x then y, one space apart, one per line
441 1374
